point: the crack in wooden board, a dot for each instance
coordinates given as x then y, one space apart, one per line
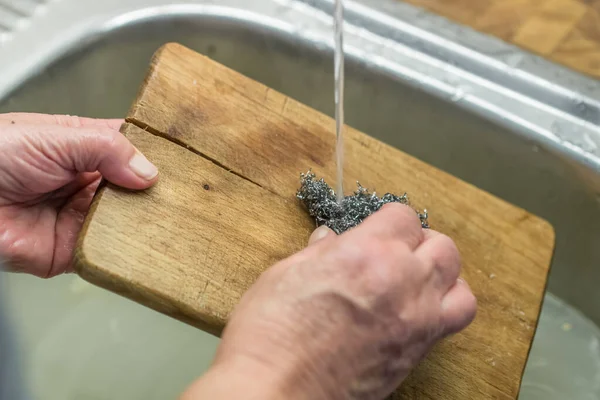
191 252
155 132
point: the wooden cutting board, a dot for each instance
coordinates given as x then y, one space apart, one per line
230 152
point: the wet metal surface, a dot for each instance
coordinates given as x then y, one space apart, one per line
323 205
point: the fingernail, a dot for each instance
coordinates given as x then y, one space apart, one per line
460 280
319 233
142 167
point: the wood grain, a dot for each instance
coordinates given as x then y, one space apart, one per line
193 242
230 151
564 31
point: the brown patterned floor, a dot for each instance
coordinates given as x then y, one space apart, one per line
565 31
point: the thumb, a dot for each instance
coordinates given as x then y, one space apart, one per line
320 233
101 149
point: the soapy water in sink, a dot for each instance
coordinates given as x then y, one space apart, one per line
86 343
89 344
565 358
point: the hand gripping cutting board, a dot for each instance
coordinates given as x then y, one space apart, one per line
230 152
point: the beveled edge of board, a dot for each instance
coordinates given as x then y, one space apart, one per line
539 306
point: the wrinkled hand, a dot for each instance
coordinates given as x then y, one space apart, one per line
50 167
346 318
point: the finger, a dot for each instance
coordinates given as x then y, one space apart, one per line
97 149
80 181
459 307
394 220
440 252
60 120
319 234
68 225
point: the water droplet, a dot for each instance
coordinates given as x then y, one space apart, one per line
513 60
451 80
458 95
590 143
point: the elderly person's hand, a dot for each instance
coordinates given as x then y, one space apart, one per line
346 318
50 167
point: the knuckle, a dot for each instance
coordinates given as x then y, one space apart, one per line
382 261
471 305
375 252
469 311
465 310
99 144
448 248
446 242
364 256
399 212
68 121
107 139
74 121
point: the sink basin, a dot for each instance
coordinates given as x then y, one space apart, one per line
502 119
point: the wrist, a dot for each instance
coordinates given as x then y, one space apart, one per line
241 378
226 381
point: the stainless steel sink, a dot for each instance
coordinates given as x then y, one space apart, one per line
510 123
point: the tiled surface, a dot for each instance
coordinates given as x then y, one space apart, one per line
565 31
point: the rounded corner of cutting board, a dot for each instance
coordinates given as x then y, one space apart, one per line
82 260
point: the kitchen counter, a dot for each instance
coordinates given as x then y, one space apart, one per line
564 31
